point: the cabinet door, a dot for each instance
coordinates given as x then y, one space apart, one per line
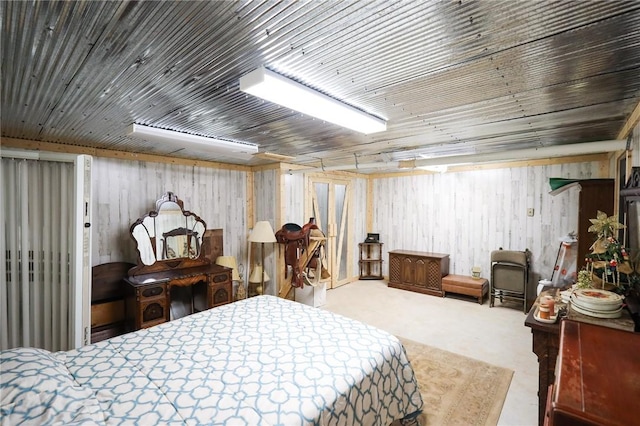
421 274
152 305
395 268
220 290
433 275
407 271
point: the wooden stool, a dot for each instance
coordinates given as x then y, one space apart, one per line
468 286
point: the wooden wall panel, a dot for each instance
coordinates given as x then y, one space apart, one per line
359 224
123 191
293 204
266 189
469 214
636 146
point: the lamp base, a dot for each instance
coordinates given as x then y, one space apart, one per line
255 289
241 292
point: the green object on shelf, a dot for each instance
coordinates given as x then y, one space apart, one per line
560 184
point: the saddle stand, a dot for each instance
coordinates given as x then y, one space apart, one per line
302 251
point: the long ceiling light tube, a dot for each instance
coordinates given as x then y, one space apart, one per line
276 88
523 154
184 139
528 153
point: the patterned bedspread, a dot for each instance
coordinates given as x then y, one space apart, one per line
259 361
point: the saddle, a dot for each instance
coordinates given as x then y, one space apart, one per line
295 239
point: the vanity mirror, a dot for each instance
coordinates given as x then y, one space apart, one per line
176 274
630 207
169 232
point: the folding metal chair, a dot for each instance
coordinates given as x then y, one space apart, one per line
509 276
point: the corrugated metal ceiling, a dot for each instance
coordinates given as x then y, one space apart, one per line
450 77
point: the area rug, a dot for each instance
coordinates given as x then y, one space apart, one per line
457 390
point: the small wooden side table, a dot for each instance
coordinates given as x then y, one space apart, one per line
370 261
546 344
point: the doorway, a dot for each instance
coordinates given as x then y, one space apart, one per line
329 202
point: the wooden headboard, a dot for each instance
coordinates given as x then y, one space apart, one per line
107 300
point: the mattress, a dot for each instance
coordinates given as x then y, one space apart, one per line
259 361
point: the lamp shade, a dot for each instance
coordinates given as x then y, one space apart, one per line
262 233
229 262
255 275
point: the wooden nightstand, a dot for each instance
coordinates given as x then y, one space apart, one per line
370 261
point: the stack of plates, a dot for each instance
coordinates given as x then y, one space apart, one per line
597 303
565 295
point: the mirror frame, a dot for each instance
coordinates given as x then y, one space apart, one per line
630 194
160 264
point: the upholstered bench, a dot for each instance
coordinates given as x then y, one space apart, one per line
468 286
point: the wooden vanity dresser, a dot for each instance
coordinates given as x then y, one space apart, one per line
175 250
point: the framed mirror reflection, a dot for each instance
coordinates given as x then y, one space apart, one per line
169 232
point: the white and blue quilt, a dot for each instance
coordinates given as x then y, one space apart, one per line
259 361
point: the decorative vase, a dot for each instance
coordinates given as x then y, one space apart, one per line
241 293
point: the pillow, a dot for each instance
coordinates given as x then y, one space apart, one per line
37 388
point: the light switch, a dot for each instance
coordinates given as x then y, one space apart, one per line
530 212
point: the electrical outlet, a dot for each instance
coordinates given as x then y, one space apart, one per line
530 212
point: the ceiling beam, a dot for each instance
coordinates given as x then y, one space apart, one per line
631 122
119 155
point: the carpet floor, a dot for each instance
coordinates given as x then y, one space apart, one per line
457 390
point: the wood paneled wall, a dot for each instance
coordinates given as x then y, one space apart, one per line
469 214
293 203
359 211
123 191
636 146
466 214
266 193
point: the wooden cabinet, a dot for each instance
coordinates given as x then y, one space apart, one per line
370 261
595 194
418 271
546 344
598 376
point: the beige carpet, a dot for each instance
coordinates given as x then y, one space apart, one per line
457 390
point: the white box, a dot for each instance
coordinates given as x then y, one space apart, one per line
313 296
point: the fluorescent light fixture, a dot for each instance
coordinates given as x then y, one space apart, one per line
183 140
502 156
275 88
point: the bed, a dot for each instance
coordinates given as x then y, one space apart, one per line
258 361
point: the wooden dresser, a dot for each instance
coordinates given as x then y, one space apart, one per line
546 343
176 254
418 271
597 377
